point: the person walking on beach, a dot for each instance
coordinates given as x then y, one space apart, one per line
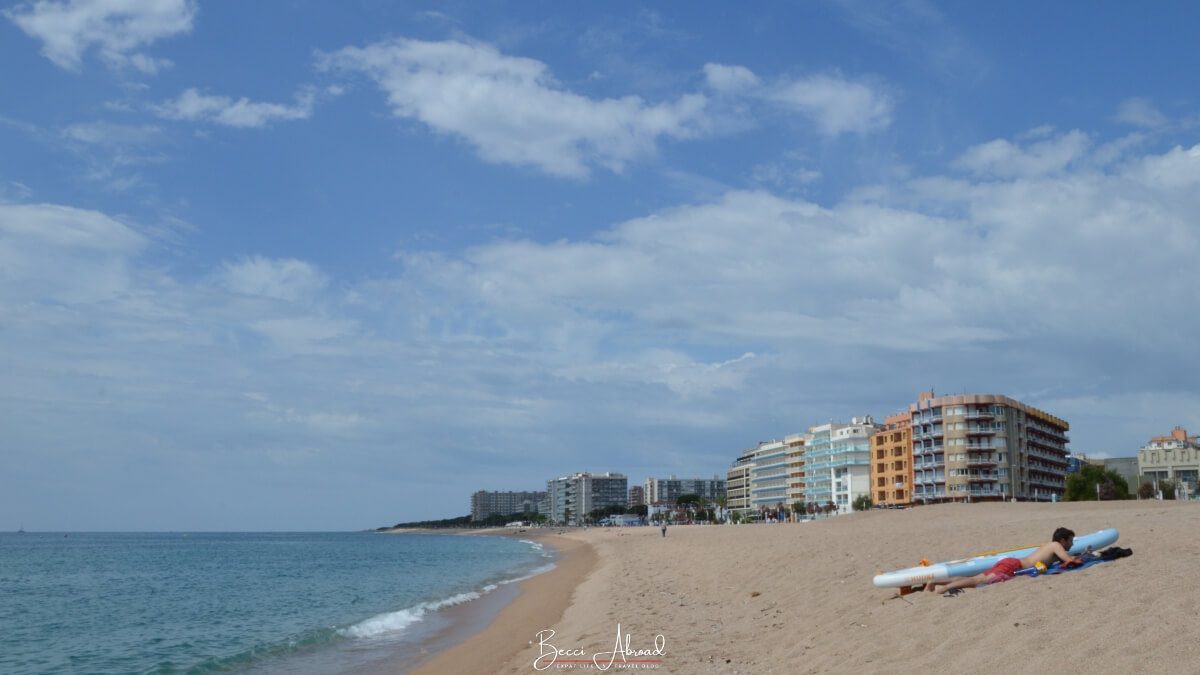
1059 547
664 528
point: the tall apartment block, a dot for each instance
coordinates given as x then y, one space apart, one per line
484 503
668 490
571 497
769 476
986 446
795 458
892 462
1175 457
837 460
737 482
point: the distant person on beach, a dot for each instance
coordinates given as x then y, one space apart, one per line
664 528
1059 547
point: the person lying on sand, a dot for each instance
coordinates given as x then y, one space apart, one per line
1007 568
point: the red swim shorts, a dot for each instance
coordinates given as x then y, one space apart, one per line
1004 570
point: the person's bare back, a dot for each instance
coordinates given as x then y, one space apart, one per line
1046 554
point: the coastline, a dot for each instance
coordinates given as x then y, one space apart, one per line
538 604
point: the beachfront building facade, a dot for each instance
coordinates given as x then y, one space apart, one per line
837 460
485 503
769 477
637 495
795 459
669 490
1175 457
737 482
892 462
986 446
573 497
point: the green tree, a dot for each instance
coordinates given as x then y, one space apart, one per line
684 500
639 510
862 503
1094 482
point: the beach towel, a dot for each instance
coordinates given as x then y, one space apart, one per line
1085 561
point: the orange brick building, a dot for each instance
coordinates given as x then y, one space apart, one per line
891 462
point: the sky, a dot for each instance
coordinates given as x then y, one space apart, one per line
327 266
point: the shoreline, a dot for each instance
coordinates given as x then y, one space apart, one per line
539 602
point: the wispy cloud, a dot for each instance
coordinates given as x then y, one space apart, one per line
1140 113
836 105
117 29
192 105
511 109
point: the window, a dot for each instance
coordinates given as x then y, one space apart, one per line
881 482
879 454
879 468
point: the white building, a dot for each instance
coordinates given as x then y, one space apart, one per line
574 496
837 462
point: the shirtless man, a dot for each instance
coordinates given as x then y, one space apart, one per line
1007 568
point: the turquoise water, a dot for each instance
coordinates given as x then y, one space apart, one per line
150 603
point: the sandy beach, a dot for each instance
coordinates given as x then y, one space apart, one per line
798 597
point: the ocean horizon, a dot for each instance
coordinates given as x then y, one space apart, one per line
262 602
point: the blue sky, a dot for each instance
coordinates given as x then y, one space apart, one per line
332 265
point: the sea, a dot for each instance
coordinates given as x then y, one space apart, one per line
248 602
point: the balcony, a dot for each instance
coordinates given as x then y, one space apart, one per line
981 460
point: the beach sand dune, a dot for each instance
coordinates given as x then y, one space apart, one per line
798 598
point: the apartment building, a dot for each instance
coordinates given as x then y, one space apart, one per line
795 459
986 446
574 496
484 503
1175 456
668 490
892 461
769 476
637 495
837 460
737 482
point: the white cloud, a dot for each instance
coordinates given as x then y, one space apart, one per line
511 109
288 279
244 113
729 79
834 104
62 254
1006 159
694 330
1140 113
117 29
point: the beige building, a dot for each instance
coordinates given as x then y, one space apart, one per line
986 446
1175 457
737 482
795 466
